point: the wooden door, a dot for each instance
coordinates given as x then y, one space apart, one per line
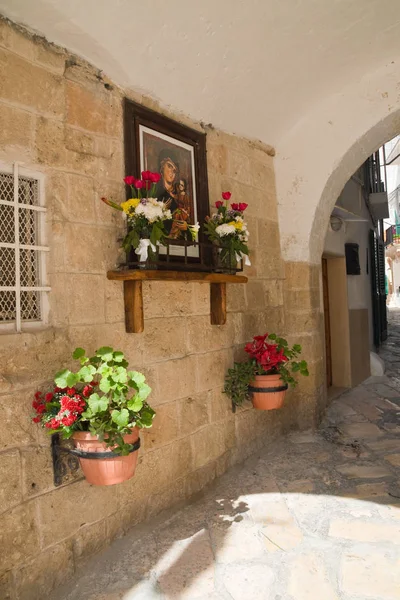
328 350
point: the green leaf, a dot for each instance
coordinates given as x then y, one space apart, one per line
87 414
120 375
105 385
272 336
106 353
86 373
135 403
78 353
61 378
98 403
72 379
297 348
118 356
147 416
137 377
144 391
120 417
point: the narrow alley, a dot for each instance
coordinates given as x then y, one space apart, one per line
315 515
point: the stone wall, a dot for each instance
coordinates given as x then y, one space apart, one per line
61 117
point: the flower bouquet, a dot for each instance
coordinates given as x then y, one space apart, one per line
228 232
100 406
265 377
147 218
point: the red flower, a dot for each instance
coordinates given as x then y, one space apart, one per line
155 177
38 395
130 180
138 184
242 206
48 397
87 390
226 195
146 175
235 206
53 424
37 419
268 356
68 420
41 409
219 204
71 391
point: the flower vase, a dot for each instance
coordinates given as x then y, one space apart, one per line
151 261
224 260
147 253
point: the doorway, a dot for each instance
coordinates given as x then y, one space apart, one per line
328 347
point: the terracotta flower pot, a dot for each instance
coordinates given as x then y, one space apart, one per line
106 471
267 400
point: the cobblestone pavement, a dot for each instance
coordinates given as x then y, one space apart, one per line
317 517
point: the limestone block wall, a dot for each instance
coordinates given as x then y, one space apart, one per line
61 117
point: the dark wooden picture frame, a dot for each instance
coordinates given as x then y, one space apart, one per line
140 121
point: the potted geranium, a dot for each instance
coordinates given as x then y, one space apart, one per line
101 406
228 232
147 218
265 377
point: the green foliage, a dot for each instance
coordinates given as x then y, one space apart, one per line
119 402
239 377
237 381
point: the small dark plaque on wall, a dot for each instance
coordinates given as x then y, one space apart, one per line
352 259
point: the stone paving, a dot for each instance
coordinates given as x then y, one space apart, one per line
317 516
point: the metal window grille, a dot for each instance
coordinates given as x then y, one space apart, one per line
23 298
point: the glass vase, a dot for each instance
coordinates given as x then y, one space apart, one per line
224 260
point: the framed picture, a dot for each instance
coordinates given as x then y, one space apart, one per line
159 144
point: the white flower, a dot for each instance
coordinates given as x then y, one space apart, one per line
151 211
224 229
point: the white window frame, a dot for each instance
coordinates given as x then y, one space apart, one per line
20 326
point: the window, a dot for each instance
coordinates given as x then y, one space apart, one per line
23 298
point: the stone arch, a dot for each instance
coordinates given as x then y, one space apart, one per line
325 148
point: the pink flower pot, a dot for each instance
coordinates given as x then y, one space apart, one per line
106 471
267 400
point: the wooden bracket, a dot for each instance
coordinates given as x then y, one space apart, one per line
133 293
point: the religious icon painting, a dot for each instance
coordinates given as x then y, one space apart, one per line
159 144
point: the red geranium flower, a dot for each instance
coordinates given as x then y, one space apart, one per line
226 195
68 420
37 419
48 397
129 180
71 391
219 204
87 390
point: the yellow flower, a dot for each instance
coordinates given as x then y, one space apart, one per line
236 224
132 203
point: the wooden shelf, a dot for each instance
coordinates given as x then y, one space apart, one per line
133 295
